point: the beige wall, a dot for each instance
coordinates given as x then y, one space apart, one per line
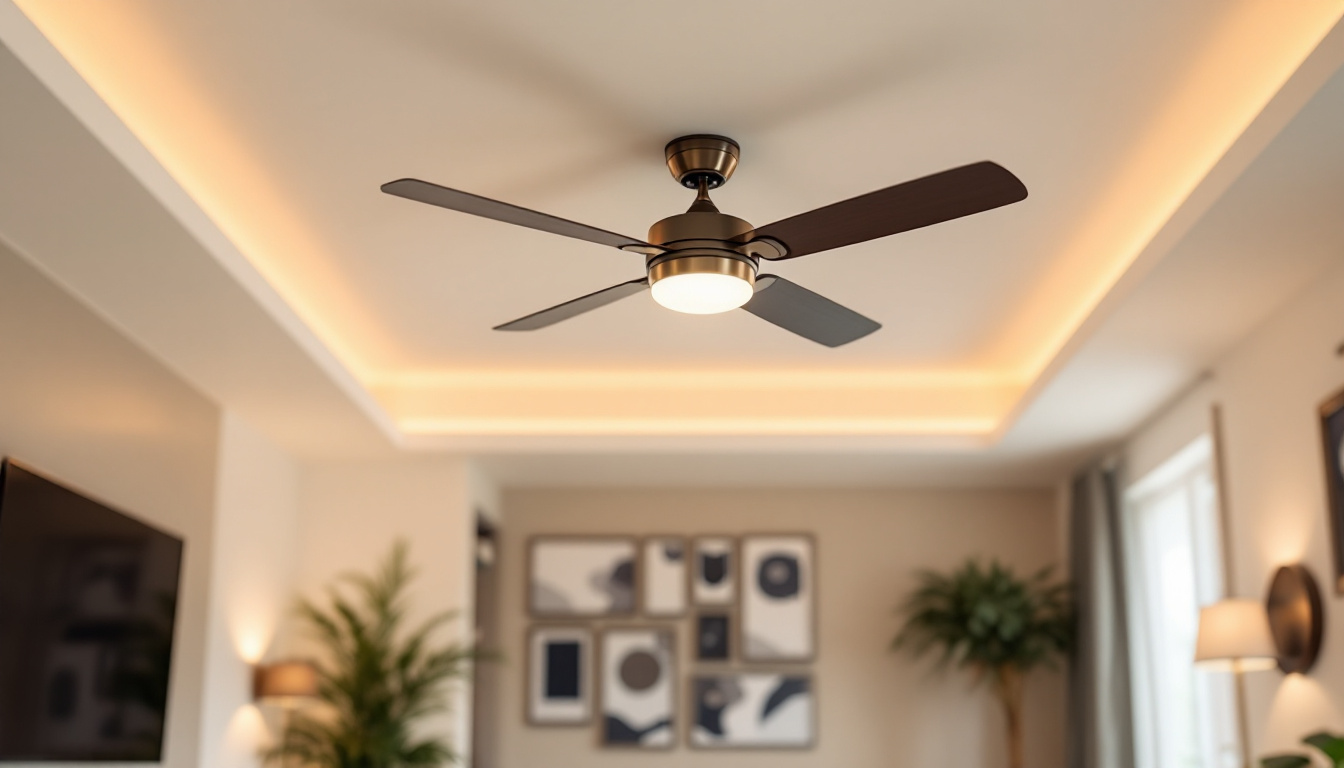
256 540
1269 388
82 404
875 708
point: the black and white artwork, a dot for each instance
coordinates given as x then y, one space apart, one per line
712 577
752 709
777 598
638 688
665 576
560 663
582 577
712 637
1332 432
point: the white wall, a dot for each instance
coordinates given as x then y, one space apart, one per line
352 512
876 708
82 404
1269 388
255 565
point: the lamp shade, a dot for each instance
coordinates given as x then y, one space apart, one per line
286 683
1234 634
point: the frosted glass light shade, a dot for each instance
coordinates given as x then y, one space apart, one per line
1234 634
702 293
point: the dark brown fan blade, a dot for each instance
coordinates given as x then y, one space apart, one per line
575 307
914 204
452 199
810 315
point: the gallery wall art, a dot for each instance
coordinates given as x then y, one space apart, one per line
752 709
714 574
665 576
638 688
609 608
1332 433
778 621
560 661
582 576
713 637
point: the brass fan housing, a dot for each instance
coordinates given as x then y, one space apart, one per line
702 156
702 261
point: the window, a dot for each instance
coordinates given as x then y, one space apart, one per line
1184 717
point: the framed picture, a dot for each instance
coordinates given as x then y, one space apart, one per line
713 571
559 680
582 576
713 637
665 575
778 591
639 680
1332 433
752 710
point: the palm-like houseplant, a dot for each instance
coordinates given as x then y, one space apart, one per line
993 623
377 681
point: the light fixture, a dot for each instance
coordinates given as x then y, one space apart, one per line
285 683
1295 618
702 285
1234 635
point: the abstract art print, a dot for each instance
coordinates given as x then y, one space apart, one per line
665 576
778 622
1332 433
582 577
752 710
638 688
712 637
712 578
559 689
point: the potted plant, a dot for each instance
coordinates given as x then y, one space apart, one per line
1328 744
377 681
993 623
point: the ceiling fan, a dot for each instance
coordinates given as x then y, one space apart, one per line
704 261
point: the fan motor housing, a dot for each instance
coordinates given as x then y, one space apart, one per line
702 157
707 260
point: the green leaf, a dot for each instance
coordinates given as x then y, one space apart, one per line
982 617
1285 761
1329 744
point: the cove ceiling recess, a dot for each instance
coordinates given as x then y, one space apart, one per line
281 121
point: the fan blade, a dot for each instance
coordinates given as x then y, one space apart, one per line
810 315
914 204
575 307
452 199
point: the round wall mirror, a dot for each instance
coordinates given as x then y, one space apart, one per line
1295 620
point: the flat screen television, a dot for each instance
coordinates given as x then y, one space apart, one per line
88 597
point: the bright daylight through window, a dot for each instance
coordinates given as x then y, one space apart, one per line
1184 716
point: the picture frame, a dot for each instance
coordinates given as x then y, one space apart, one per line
752 710
582 577
560 674
1332 438
714 570
629 687
665 575
777 609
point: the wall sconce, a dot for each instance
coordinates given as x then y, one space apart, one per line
286 684
1295 618
1234 635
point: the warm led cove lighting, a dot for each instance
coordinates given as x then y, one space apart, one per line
702 293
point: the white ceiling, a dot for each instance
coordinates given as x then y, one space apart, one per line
280 120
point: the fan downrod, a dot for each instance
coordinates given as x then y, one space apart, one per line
702 158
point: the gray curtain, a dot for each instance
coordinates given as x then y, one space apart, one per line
1101 720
